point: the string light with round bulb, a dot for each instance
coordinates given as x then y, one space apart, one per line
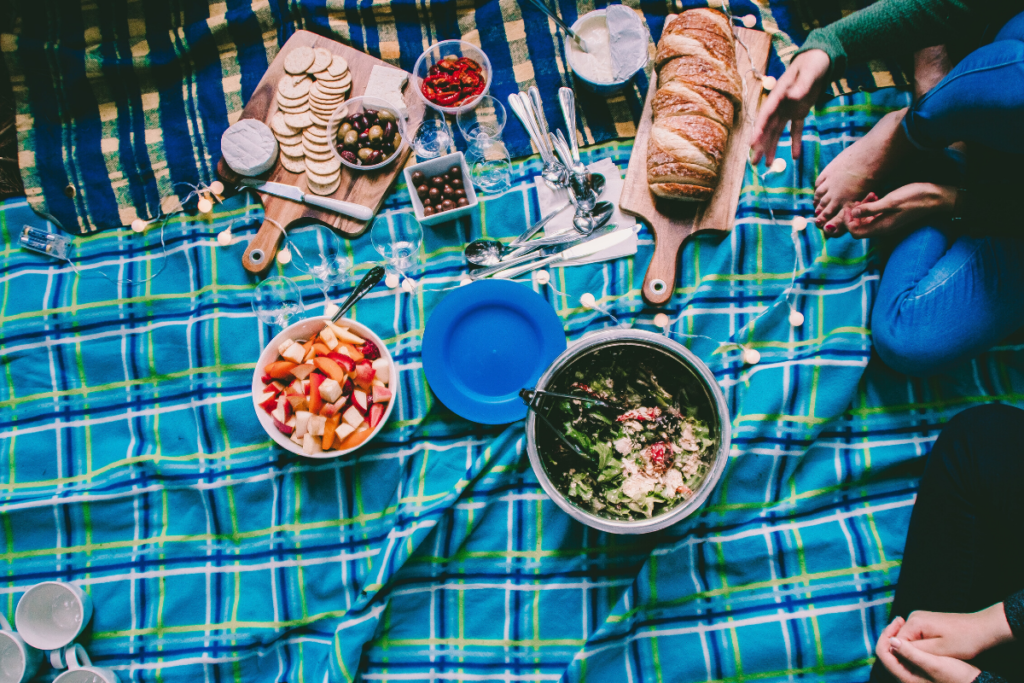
541 277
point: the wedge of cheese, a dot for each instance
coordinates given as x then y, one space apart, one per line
387 84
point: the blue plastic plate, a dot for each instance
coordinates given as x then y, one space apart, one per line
486 341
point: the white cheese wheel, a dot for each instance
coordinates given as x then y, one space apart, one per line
249 147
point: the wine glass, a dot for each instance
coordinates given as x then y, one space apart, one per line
433 137
319 253
490 165
485 121
397 238
276 300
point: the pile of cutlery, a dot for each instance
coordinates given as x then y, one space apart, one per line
562 170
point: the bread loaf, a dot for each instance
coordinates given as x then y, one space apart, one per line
693 109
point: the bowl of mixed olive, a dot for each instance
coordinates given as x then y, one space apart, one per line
368 133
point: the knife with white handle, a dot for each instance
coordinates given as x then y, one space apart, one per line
588 248
290 192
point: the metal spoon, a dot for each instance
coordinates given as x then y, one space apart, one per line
561 24
369 281
491 252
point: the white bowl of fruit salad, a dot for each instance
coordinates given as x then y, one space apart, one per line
323 389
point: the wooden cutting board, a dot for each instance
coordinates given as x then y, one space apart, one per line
361 187
673 221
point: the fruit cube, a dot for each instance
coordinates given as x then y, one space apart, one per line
294 353
302 371
283 428
296 439
330 390
267 396
381 395
352 416
344 429
364 372
296 401
376 413
295 388
315 425
283 346
283 410
331 369
311 446
360 401
301 421
383 368
329 338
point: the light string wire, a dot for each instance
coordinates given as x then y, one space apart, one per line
163 217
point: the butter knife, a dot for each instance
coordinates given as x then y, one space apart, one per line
292 193
588 248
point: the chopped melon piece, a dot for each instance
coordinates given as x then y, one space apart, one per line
301 421
330 390
352 417
340 434
330 339
349 337
383 368
294 353
310 445
315 426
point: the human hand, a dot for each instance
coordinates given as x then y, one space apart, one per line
912 665
790 100
963 636
901 208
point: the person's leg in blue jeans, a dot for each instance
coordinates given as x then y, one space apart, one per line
980 101
965 545
945 298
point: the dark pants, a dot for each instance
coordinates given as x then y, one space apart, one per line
965 546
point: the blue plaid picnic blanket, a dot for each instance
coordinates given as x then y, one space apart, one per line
118 107
132 464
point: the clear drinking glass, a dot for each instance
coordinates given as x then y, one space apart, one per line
277 300
490 165
319 252
486 120
397 238
433 137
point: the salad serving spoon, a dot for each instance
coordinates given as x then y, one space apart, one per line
529 398
369 281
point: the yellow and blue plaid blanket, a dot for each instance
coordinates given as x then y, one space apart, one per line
122 104
131 463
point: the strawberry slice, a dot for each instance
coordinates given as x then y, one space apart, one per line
346 362
376 413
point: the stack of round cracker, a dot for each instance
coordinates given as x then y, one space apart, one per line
316 82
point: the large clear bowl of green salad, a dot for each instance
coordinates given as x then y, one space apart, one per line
650 453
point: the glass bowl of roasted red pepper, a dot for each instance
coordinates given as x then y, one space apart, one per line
452 76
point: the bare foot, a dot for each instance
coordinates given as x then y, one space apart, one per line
860 168
904 207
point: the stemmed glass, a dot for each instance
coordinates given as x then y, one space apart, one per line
320 253
490 164
433 137
397 238
277 300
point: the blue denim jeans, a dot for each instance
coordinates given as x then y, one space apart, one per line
947 296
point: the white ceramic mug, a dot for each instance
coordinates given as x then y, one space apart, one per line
18 661
81 670
51 614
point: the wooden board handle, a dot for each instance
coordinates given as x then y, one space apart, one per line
260 253
660 282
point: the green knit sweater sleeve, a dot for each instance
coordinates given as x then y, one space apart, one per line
889 26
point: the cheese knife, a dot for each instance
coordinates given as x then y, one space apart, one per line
292 193
588 248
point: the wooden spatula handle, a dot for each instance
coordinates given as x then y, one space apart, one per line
660 281
260 253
